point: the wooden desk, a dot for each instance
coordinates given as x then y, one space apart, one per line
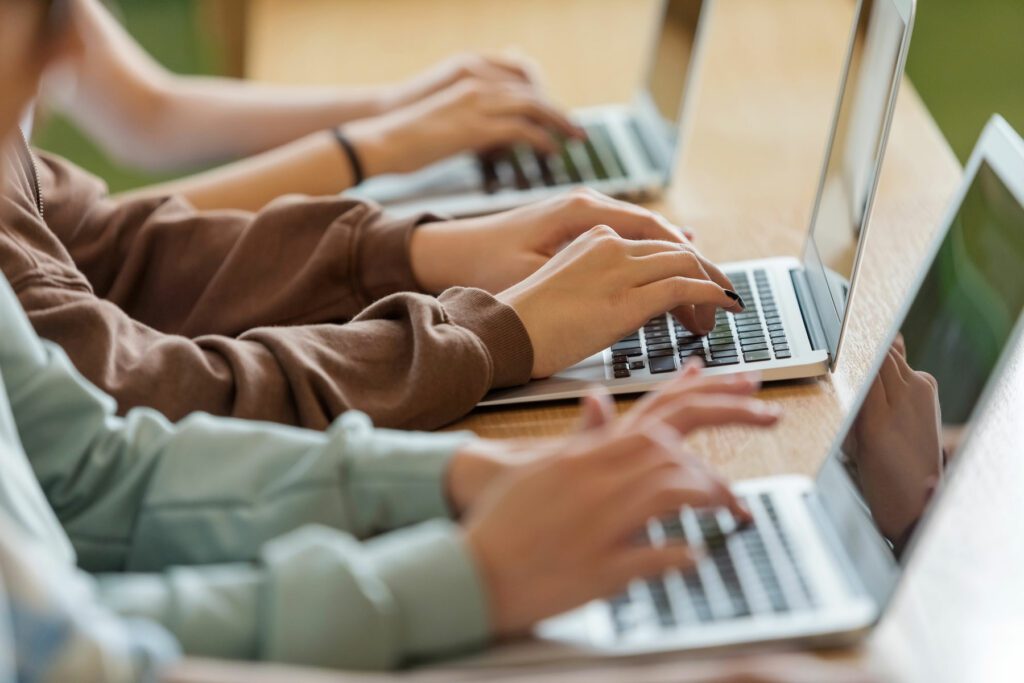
747 175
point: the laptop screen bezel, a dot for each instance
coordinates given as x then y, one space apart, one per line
648 116
834 327
1002 150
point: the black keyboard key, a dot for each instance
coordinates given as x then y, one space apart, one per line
752 347
757 356
620 366
623 345
546 175
569 165
722 362
661 353
606 150
619 358
782 355
489 175
662 605
637 365
595 160
621 374
661 364
658 346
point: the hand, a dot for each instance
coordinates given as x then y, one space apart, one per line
897 446
602 287
471 115
497 251
686 404
464 67
560 531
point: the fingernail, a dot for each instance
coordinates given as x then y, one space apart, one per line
735 297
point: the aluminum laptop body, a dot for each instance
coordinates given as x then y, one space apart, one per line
823 557
795 308
630 154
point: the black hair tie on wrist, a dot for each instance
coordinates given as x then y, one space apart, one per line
353 156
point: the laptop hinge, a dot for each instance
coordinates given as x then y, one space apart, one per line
808 311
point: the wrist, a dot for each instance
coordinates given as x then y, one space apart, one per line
473 467
371 145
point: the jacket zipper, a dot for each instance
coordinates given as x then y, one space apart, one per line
34 169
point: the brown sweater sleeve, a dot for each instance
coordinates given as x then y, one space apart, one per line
300 260
409 360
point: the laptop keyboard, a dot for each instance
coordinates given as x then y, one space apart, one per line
755 336
578 161
747 571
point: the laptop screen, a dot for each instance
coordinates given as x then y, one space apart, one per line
853 160
891 463
661 100
670 64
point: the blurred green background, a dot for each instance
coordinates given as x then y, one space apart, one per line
966 60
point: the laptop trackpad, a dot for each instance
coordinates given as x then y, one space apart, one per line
457 175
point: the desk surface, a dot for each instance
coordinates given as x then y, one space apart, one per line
746 179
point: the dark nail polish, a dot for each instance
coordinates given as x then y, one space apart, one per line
735 297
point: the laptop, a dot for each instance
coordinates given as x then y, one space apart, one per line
795 309
823 557
629 152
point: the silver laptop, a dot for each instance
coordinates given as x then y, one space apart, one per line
795 308
629 152
822 558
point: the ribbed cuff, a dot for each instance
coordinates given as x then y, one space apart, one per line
396 478
498 327
435 585
384 264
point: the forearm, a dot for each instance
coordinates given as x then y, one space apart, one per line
128 494
144 115
318 597
312 165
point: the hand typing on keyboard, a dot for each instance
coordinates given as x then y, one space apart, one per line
575 287
550 523
472 115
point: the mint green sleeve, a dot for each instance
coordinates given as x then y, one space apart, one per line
247 540
319 597
140 493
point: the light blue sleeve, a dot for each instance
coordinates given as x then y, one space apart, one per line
245 539
140 493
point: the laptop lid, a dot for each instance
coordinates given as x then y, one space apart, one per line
890 462
853 158
661 104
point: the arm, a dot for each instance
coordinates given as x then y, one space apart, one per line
224 272
146 116
127 490
318 597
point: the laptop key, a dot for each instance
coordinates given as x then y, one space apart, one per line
722 362
545 169
658 346
489 175
637 365
595 160
621 374
661 364
782 355
661 353
757 356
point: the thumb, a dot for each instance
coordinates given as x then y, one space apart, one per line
596 409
